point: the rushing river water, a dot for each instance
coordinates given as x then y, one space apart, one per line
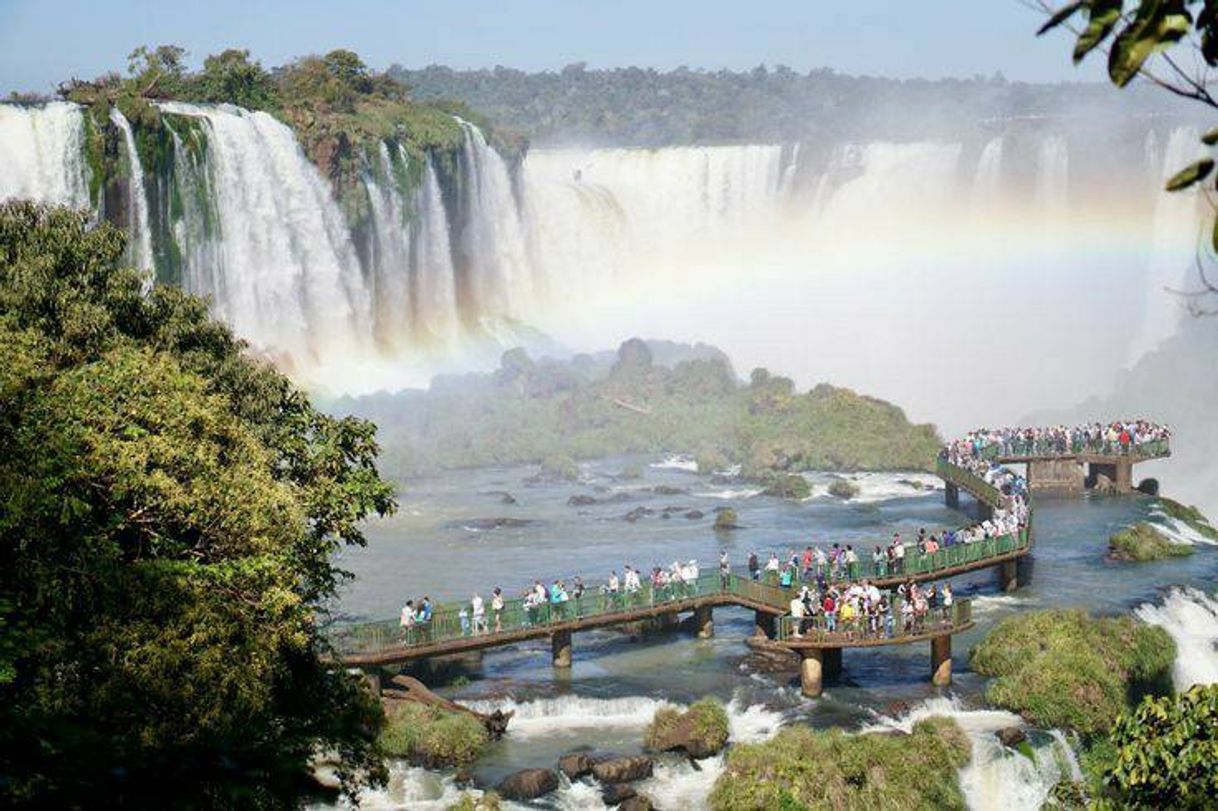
444 543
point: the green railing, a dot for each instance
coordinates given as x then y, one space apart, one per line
971 482
446 622
892 624
1016 449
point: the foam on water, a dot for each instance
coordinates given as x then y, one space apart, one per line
995 777
1178 531
411 787
1191 617
543 716
678 462
874 487
729 493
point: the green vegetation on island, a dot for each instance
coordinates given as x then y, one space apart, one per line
1064 668
170 510
813 769
843 489
1143 542
431 736
700 731
594 407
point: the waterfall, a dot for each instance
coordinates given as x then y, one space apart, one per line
140 250
291 281
494 279
1191 617
42 154
987 181
1176 231
437 296
1053 178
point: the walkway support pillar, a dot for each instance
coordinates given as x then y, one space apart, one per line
832 660
941 660
810 671
1124 476
704 622
1008 579
951 495
763 624
560 643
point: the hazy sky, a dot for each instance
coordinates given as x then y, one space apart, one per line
45 41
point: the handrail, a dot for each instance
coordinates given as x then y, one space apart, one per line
1016 449
895 624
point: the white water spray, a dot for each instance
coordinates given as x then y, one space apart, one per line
1191 617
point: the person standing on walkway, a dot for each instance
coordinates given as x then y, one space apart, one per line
497 608
725 571
754 566
478 610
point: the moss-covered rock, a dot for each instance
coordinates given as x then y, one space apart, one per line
1143 542
787 485
471 802
843 489
1064 668
806 768
559 468
700 731
725 519
432 737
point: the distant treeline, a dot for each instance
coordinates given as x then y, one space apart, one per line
646 398
645 107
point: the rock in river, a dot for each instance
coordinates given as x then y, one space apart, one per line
528 784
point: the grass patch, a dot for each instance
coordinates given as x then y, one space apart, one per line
1063 668
432 737
1142 542
805 768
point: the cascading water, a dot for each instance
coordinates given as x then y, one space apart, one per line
42 154
137 198
987 181
291 279
1175 242
1191 617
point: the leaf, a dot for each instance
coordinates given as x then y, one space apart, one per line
1060 16
1190 175
1211 137
1102 16
1158 24
1214 236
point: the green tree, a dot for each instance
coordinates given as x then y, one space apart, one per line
169 509
1173 44
1167 751
230 76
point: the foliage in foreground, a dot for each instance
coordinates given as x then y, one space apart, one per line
805 768
531 410
1142 542
1166 751
168 510
432 737
1066 669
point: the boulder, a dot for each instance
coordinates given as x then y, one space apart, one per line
1103 484
464 778
668 490
617 793
575 765
638 802
725 519
581 501
528 784
1011 736
700 731
637 513
623 769
694 515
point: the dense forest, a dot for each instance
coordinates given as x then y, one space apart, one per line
648 397
645 107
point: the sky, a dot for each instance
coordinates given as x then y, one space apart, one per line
43 42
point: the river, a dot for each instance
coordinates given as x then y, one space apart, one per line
441 543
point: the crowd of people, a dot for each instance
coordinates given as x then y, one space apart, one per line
1120 437
864 611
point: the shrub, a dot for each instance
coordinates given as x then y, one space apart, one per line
1167 751
788 485
806 768
726 519
432 737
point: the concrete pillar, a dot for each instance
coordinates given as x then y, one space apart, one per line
810 667
1007 575
560 644
832 661
1124 476
941 660
704 622
763 624
951 495
668 619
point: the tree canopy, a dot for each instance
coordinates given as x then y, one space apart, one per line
169 508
